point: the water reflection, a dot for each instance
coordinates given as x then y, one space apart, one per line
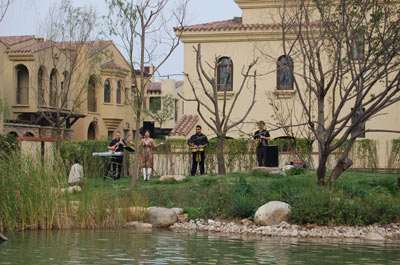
165 247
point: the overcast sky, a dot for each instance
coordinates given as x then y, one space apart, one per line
24 16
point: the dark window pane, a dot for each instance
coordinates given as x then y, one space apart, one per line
155 104
107 92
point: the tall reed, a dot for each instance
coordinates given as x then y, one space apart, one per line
31 197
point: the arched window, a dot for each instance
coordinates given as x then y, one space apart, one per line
224 74
92 104
41 85
22 85
107 91
65 87
53 87
119 92
284 73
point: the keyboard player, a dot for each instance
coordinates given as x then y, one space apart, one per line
117 145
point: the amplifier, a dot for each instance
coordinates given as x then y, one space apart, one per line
271 156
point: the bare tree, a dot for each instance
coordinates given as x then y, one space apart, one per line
4 5
349 57
206 95
70 57
292 121
143 30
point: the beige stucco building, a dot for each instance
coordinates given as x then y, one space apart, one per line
93 81
258 34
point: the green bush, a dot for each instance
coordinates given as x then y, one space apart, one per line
242 205
93 166
295 171
193 213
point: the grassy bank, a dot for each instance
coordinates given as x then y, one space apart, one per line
356 199
28 199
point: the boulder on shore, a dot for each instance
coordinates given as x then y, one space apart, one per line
138 225
178 178
3 238
272 213
266 169
161 217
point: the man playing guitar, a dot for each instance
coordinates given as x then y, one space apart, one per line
261 138
197 143
116 145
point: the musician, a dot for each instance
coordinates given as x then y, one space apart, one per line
147 154
117 145
261 138
197 143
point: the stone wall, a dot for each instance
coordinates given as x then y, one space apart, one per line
35 131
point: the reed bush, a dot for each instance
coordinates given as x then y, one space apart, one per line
30 197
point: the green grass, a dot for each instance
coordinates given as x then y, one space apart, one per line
28 202
358 198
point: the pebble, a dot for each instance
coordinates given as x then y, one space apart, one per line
372 232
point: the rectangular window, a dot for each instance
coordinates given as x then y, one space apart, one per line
126 132
155 104
357 48
110 134
360 127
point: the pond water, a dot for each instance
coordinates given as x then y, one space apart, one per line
166 247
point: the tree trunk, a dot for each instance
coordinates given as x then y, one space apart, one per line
220 156
136 162
321 170
341 165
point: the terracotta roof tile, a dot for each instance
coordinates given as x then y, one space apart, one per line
178 84
154 87
185 125
12 40
231 24
113 65
34 47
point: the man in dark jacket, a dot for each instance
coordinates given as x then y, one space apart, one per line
197 143
261 138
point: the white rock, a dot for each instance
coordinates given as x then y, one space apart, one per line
166 177
272 213
177 210
287 167
3 238
179 178
373 237
138 225
161 217
294 233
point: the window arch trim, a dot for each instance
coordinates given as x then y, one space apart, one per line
224 67
288 64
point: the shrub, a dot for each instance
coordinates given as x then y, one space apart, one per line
193 213
242 206
295 171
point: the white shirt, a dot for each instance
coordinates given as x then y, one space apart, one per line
76 173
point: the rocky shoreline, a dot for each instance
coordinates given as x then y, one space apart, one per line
284 229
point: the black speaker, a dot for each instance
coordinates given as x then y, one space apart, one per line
148 125
272 156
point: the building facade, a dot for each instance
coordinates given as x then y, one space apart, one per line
239 41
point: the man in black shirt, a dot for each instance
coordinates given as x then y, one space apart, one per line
197 143
116 145
261 138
